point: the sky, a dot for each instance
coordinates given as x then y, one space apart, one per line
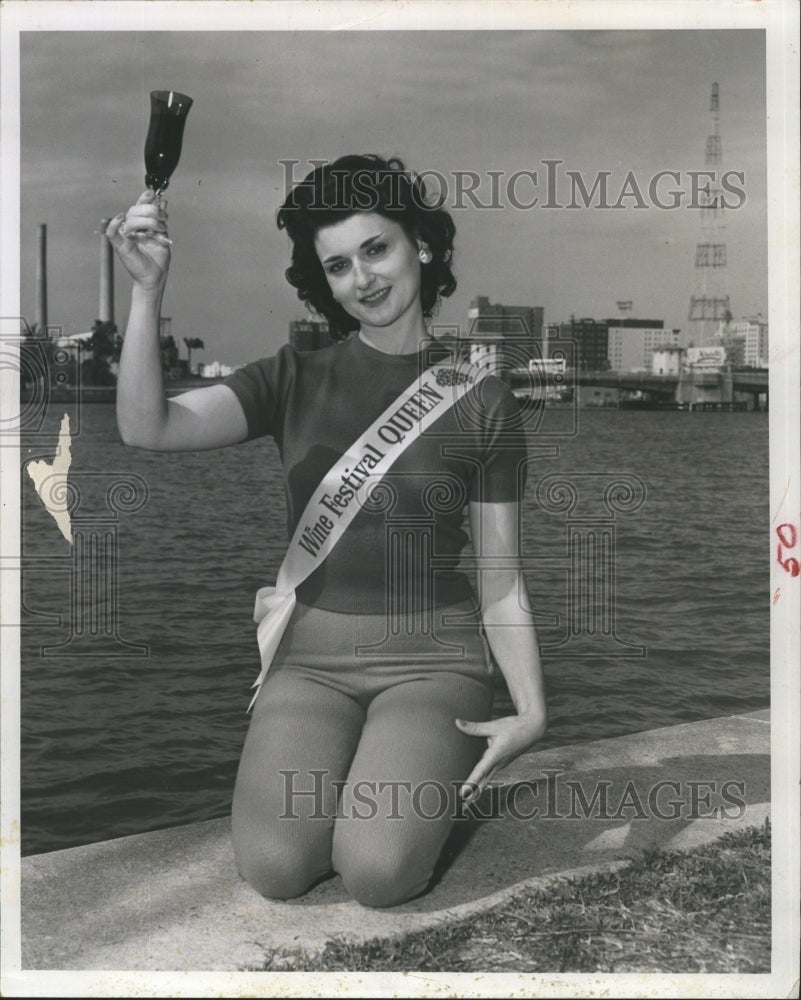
444 101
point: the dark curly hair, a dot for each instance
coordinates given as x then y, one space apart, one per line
333 192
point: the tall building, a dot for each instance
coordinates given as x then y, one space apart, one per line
709 302
592 342
41 281
632 343
753 332
309 334
105 308
503 336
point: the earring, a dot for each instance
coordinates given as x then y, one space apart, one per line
425 254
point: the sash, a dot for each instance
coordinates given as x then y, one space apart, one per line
336 500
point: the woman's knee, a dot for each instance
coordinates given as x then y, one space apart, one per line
276 869
277 877
380 878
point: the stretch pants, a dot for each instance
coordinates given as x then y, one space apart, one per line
352 762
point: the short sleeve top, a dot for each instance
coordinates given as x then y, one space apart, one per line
407 537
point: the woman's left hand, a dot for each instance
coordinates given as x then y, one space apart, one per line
507 738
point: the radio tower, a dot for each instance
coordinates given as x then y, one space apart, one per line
709 303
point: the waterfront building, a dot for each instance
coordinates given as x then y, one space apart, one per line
704 360
705 377
554 346
667 360
213 369
592 342
632 342
503 336
309 334
550 336
753 332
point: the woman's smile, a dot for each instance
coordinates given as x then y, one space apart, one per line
376 298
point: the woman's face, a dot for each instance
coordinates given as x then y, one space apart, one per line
372 268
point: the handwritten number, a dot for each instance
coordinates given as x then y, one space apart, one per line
788 536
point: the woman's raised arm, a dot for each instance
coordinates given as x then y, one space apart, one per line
201 418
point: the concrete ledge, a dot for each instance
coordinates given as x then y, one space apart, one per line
172 900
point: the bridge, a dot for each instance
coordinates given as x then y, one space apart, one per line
658 387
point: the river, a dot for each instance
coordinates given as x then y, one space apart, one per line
120 739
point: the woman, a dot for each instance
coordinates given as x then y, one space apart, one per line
372 725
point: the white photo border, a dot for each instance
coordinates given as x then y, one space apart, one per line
780 20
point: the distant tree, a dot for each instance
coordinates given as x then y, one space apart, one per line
169 355
193 344
104 339
104 346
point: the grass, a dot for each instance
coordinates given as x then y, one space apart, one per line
700 911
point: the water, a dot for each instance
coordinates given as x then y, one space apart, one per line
113 745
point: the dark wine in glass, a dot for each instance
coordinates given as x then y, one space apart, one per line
168 111
165 133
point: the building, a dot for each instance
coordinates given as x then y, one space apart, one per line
753 332
309 334
705 377
503 336
704 360
632 342
592 343
213 369
667 360
490 319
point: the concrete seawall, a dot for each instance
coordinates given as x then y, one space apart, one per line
172 900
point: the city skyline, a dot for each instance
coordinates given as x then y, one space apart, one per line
557 103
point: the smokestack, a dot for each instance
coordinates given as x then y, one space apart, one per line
106 308
41 282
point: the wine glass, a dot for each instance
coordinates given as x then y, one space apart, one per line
165 133
168 111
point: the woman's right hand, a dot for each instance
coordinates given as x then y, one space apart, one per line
139 237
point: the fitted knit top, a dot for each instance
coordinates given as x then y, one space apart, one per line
404 543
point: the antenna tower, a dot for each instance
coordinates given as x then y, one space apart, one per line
709 304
